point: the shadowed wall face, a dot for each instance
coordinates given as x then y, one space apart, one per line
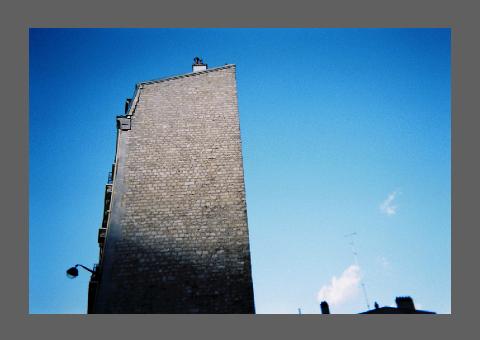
177 239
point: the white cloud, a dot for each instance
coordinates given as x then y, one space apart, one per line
387 206
342 288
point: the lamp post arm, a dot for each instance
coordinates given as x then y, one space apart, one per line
81 265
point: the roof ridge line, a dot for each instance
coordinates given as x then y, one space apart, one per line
190 74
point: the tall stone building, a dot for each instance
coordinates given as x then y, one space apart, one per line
174 237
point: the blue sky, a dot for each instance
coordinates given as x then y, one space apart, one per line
343 130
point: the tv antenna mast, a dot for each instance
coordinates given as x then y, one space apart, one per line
355 258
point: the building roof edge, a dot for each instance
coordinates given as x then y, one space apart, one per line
185 75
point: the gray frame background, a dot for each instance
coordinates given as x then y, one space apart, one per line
17 17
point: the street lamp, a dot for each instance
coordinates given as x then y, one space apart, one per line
73 271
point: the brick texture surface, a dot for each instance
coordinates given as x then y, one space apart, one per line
177 240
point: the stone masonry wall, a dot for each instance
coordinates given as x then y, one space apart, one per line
177 240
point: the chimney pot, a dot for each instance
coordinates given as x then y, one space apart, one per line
405 302
324 307
198 65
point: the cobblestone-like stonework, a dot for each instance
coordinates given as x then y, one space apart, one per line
177 238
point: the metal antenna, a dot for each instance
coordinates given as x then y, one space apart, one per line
355 258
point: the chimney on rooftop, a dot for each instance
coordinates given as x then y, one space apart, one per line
324 307
198 65
405 302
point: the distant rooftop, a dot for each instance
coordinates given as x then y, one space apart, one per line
405 305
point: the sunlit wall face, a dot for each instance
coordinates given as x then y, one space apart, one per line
177 240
